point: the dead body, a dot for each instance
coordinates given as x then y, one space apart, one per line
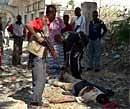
81 90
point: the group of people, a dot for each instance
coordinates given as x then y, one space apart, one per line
65 43
56 30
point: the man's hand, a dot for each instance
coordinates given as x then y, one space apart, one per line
36 35
55 54
40 39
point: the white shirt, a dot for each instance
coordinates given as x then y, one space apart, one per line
18 29
82 23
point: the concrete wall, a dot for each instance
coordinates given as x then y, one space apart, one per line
87 9
32 10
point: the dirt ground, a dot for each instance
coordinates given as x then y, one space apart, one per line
15 85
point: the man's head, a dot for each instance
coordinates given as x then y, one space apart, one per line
95 14
77 11
66 19
102 99
51 12
19 18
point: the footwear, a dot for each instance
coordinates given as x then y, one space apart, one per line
89 69
39 104
97 70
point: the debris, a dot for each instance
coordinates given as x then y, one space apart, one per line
13 78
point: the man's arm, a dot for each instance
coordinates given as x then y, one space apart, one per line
104 28
42 41
76 28
79 22
39 39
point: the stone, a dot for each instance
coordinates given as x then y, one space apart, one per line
1 86
13 78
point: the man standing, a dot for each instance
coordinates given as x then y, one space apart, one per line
97 30
18 31
76 53
80 22
36 27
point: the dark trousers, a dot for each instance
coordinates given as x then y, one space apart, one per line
75 66
30 60
17 50
38 77
80 85
94 53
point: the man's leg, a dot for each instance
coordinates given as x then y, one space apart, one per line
19 50
74 67
97 48
15 53
90 55
39 78
33 73
20 45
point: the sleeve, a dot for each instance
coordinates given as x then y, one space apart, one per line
62 25
24 31
79 21
10 28
104 28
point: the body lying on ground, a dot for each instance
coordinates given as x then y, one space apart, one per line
82 91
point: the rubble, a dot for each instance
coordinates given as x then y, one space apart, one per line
15 86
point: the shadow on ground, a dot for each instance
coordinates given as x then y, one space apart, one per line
4 105
22 94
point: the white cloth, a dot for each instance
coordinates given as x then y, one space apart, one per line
80 21
90 95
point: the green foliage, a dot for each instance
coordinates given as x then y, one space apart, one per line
121 30
110 13
71 2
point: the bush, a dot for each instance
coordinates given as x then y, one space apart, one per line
121 31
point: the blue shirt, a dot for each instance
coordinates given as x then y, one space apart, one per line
95 29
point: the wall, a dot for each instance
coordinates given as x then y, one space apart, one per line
87 9
32 10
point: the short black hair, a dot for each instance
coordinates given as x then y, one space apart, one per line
50 6
18 16
66 16
95 12
78 8
102 99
